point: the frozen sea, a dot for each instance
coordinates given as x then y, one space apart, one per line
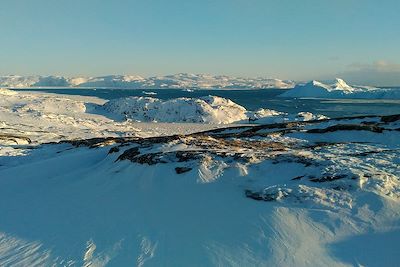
252 100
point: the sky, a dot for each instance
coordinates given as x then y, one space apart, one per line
358 40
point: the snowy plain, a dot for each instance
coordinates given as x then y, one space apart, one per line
83 183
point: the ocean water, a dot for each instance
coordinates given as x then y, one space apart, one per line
254 99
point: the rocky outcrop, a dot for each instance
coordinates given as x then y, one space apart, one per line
249 145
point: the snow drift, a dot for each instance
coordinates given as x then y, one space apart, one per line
340 89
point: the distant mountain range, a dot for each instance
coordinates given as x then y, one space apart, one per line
177 81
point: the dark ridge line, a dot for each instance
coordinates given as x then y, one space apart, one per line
285 127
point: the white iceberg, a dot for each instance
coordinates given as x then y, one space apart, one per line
340 89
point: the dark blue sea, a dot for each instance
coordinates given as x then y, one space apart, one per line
253 99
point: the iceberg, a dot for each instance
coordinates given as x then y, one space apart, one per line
340 89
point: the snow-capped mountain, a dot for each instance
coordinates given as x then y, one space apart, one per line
340 89
120 81
177 81
15 81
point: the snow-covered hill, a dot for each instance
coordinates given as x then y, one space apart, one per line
203 110
178 81
52 117
340 89
210 109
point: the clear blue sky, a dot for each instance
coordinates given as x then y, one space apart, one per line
289 39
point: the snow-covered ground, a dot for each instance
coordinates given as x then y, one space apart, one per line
51 117
42 117
340 89
177 81
110 191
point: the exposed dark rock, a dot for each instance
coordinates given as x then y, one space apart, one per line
184 156
113 150
348 127
263 196
257 196
366 153
150 159
390 118
290 158
129 154
100 141
298 177
158 139
328 178
180 170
